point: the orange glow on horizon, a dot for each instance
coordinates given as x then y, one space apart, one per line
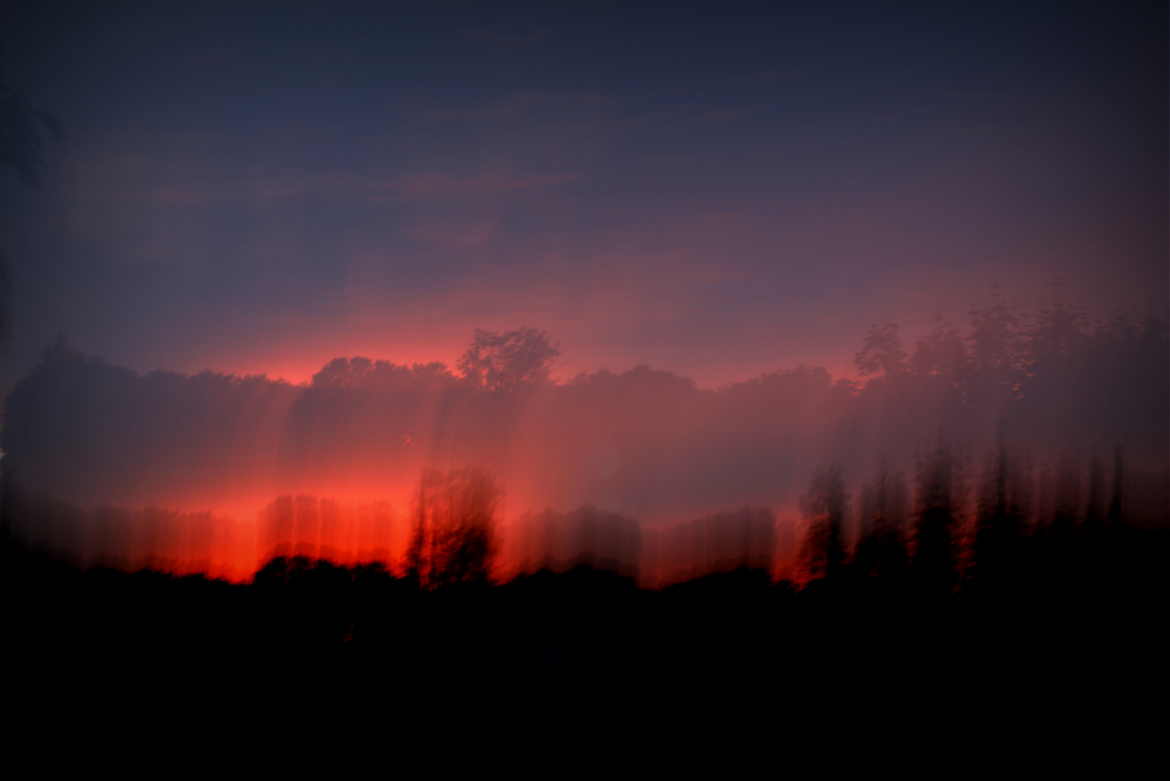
233 545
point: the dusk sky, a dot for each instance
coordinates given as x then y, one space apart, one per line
718 193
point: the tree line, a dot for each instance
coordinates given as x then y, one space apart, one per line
643 442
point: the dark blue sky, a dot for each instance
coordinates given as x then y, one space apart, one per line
718 192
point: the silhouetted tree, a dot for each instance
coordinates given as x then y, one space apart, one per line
998 543
1062 533
882 352
1056 338
1095 502
881 547
1116 515
934 545
453 540
824 508
996 340
941 353
508 360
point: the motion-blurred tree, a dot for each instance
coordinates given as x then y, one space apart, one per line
453 541
934 536
1000 525
997 345
824 507
881 549
882 352
941 353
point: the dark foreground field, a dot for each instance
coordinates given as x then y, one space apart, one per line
1052 621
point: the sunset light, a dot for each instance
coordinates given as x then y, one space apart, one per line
794 341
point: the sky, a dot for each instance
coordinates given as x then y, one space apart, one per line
718 192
